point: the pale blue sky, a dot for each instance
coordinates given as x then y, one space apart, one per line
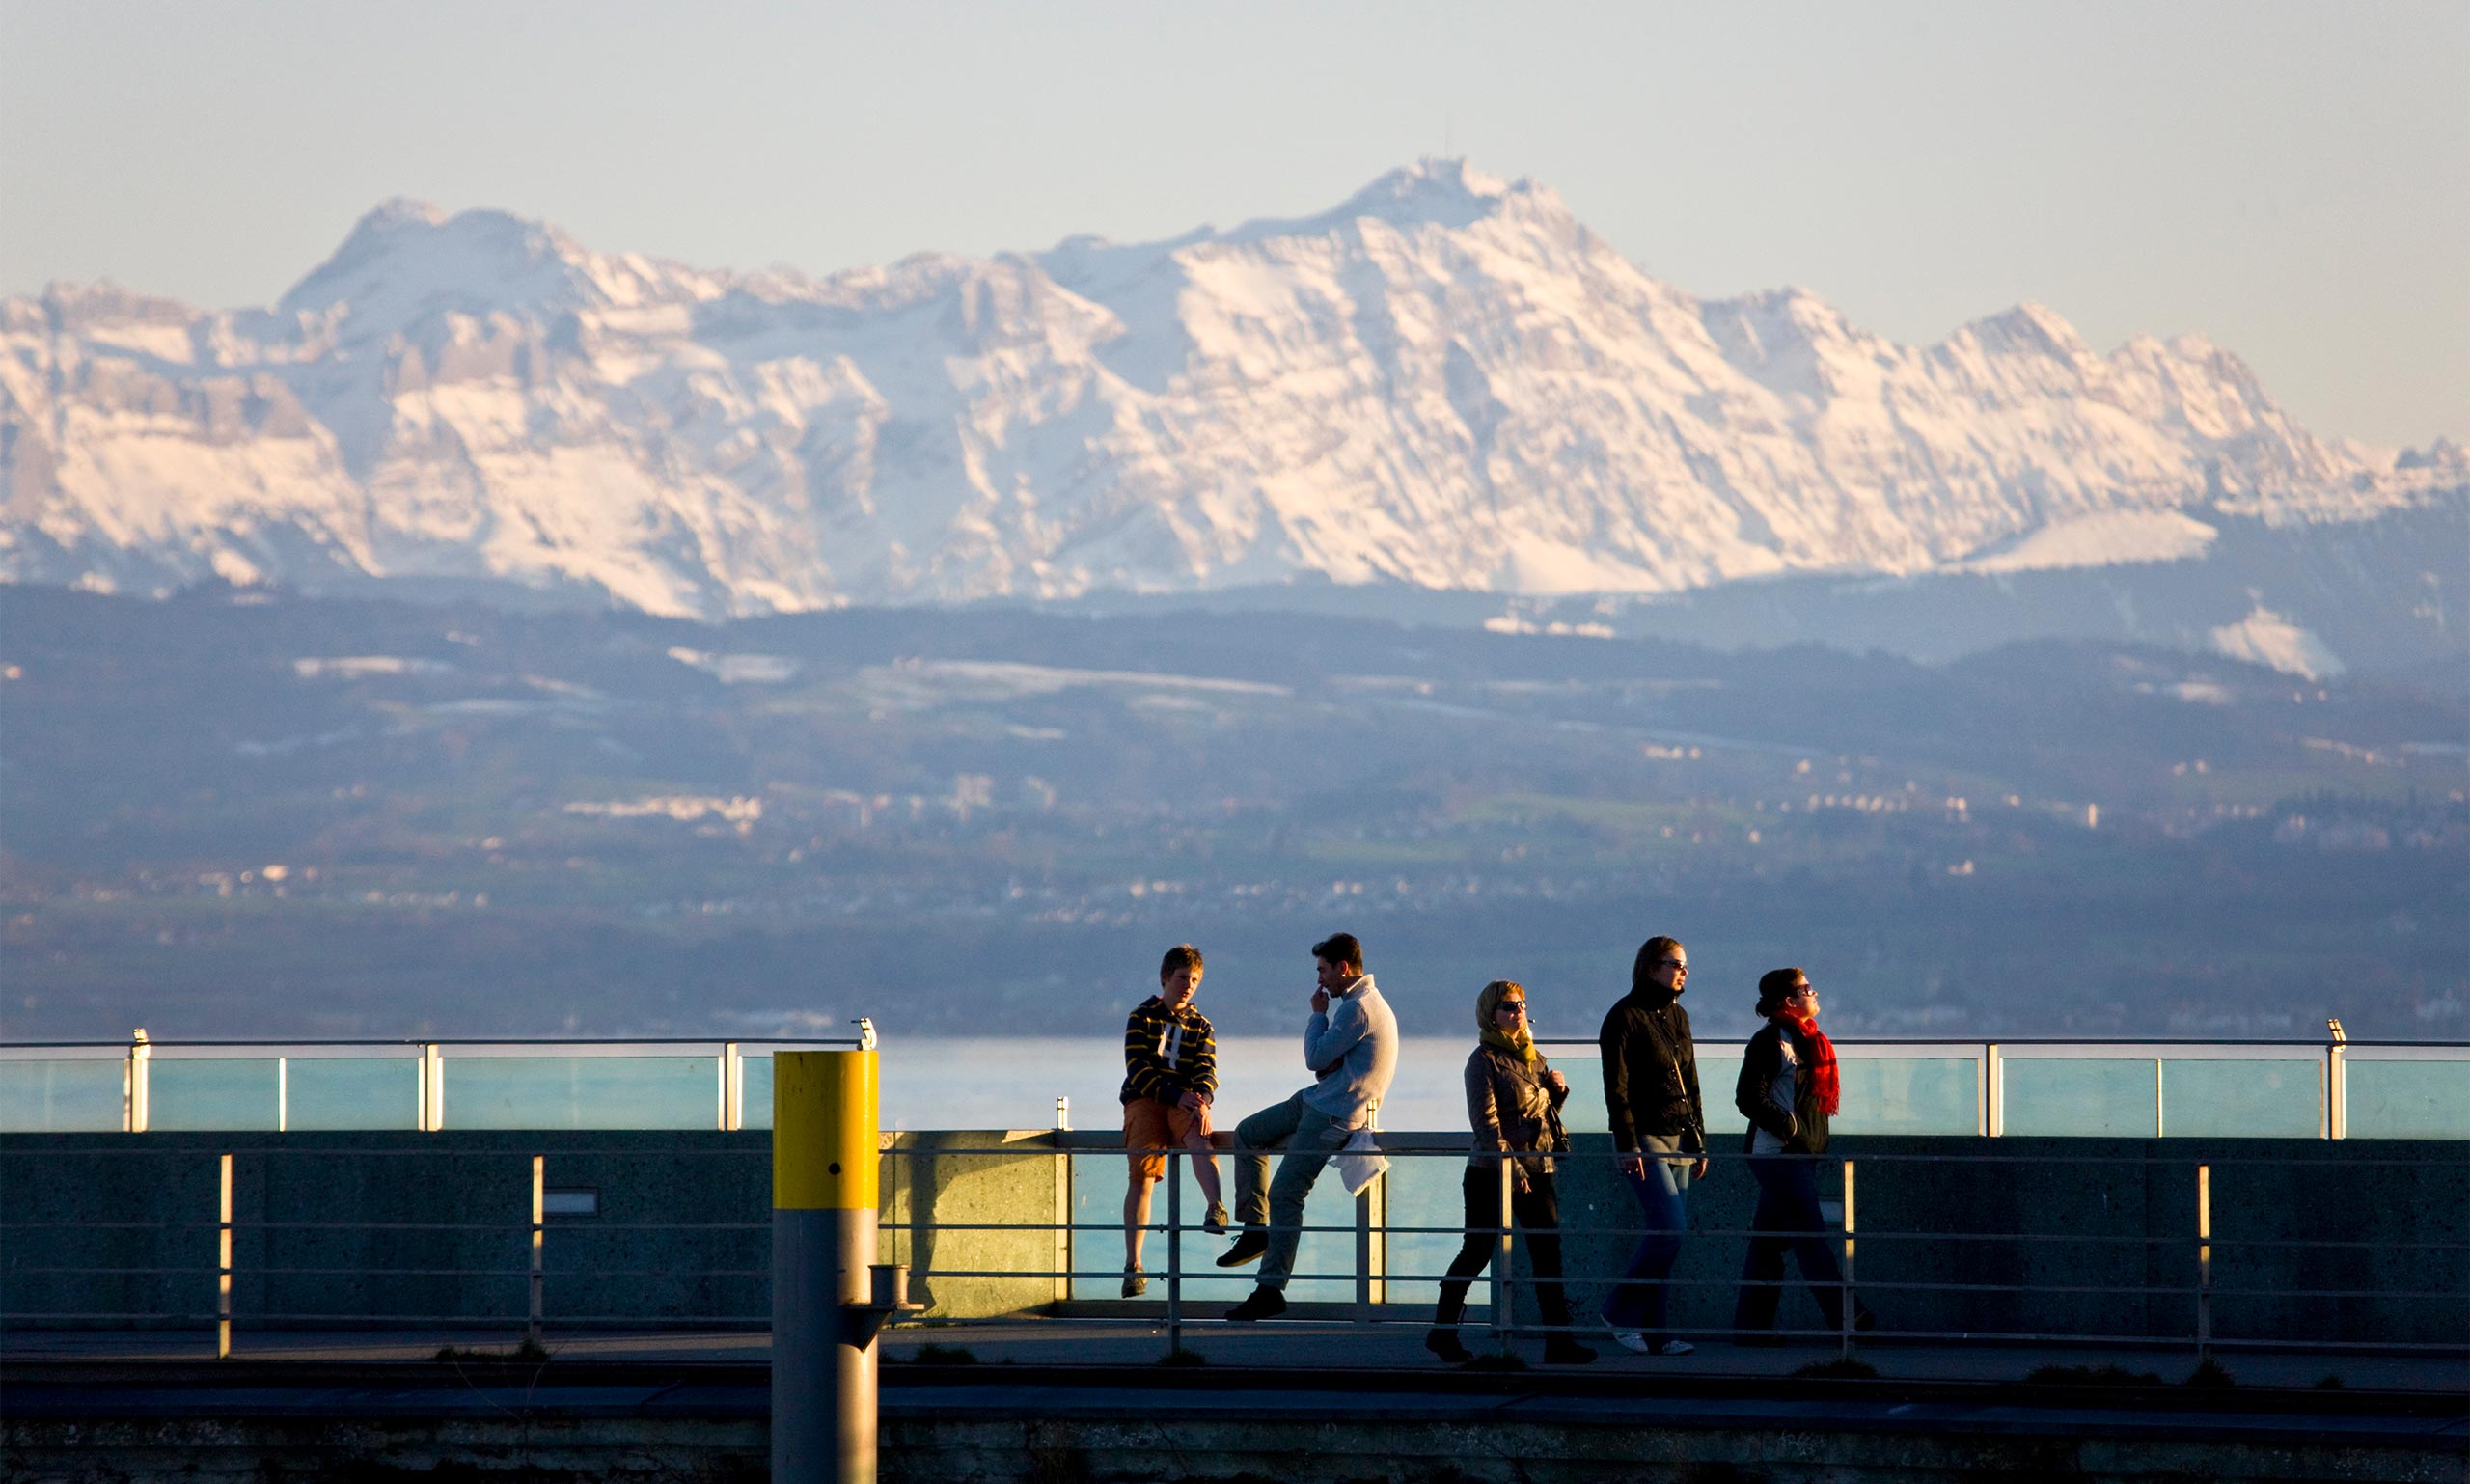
2292 179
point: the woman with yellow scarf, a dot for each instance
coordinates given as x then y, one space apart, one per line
1513 1104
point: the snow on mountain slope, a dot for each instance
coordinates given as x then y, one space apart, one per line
1446 382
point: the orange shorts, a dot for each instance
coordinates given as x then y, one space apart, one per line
1149 1124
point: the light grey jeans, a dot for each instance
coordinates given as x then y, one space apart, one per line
1310 1139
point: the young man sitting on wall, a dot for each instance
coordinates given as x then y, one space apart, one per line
1350 1044
1170 1076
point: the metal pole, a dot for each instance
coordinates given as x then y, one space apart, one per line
1503 1318
433 1087
133 1101
223 1261
2337 1094
539 1173
1062 1202
824 1199
1843 1316
2160 1109
1994 1073
1174 1250
732 1088
2204 1263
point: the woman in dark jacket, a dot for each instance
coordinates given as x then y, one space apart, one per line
1513 1104
1659 1133
1788 1090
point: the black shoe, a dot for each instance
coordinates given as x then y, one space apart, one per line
1561 1350
1263 1304
1214 1221
1248 1247
1134 1282
1444 1344
1258 1305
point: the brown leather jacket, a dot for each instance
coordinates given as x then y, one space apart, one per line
1510 1108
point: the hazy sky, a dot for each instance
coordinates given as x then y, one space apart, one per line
2292 179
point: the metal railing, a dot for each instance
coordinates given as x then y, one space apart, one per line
2327 1089
1919 1274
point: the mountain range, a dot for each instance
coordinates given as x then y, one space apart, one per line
1446 386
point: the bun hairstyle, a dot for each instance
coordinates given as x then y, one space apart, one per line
1650 953
1775 986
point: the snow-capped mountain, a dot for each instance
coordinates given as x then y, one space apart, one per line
1447 382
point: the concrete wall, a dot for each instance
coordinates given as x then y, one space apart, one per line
2091 1213
682 1235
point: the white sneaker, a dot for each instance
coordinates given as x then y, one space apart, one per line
1673 1347
1631 1341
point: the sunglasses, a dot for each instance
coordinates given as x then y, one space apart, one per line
1514 1006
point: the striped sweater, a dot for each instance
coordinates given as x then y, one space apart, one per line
1167 1054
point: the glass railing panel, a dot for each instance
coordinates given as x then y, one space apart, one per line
1583 1112
62 1096
1904 1095
2408 1099
353 1092
755 1087
582 1092
1429 1191
1098 1185
2081 1096
217 1094
2222 1098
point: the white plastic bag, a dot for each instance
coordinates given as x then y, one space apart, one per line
1361 1162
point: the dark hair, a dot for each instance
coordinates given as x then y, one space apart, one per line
1650 953
1775 986
1341 950
1182 956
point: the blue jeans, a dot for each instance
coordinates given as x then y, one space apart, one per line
1639 1303
1310 1140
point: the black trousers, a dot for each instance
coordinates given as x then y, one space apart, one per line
1787 1220
1537 1216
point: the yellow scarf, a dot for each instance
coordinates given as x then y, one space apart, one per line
1522 1044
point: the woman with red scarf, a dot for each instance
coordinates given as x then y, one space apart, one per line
1788 1090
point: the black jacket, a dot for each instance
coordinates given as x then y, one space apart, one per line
1650 1071
1803 1130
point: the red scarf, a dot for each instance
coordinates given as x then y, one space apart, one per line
1821 1068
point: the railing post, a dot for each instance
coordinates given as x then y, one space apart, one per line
2160 1126
1843 1316
132 1108
732 1088
825 1193
540 1183
2204 1263
1174 1250
1503 1319
1062 1202
1994 1103
433 1087
223 1259
282 1094
2337 1093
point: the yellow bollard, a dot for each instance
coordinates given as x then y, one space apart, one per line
824 1151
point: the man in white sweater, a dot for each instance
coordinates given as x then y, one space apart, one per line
1350 1044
